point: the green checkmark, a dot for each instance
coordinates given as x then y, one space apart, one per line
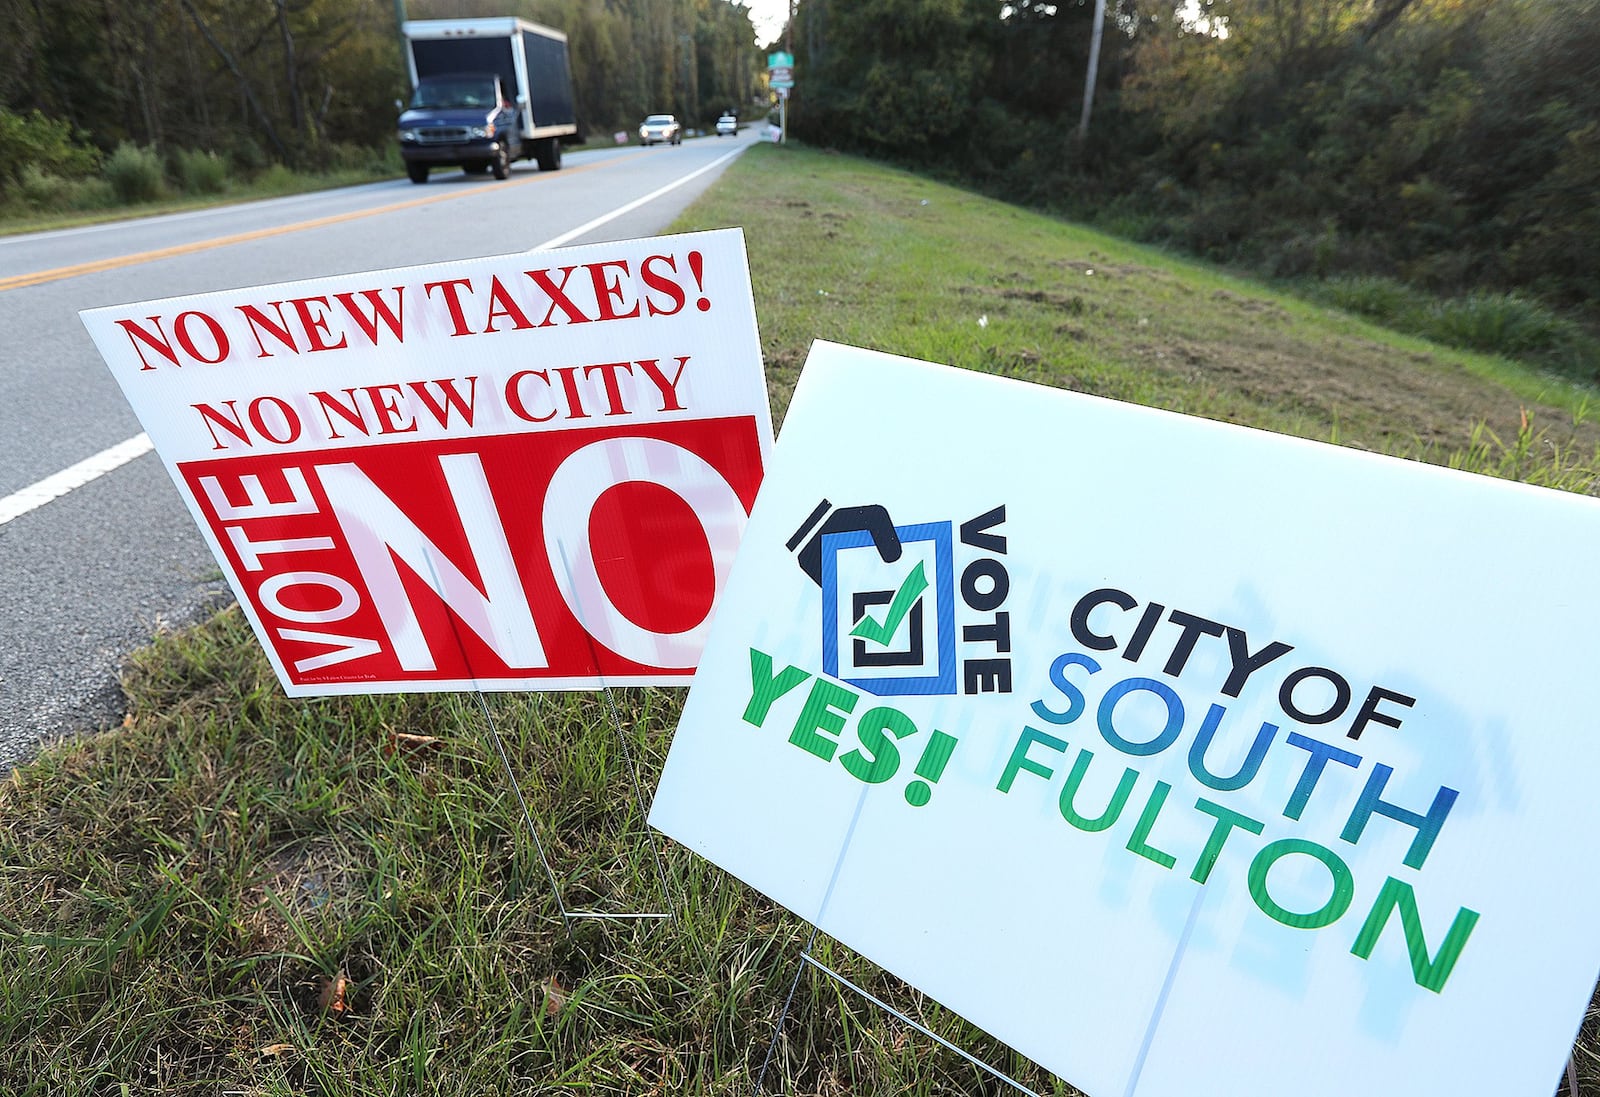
869 629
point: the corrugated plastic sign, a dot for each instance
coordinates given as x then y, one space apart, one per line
529 471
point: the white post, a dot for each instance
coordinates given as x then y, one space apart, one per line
1094 67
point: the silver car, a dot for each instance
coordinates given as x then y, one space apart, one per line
661 129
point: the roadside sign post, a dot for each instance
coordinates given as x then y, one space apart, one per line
528 472
1139 739
780 77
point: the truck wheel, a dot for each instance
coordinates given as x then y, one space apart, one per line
417 172
550 154
501 165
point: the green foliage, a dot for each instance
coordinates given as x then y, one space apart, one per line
48 145
1452 144
277 179
38 188
201 172
1501 323
1533 455
1495 323
40 191
1555 252
342 157
135 174
1383 299
45 201
901 78
246 153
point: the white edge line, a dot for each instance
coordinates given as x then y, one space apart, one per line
89 469
573 234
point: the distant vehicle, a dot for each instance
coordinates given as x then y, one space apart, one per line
661 129
728 124
488 91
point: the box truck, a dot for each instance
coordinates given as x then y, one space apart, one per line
486 92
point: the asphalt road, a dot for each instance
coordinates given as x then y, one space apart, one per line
92 574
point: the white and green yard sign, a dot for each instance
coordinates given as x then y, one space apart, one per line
1184 758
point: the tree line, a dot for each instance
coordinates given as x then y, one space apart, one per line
1381 147
302 82
1451 146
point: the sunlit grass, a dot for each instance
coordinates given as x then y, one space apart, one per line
845 250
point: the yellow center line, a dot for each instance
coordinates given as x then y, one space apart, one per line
18 281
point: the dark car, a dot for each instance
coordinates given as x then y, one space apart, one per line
463 120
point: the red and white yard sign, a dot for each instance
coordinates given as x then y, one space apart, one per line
529 471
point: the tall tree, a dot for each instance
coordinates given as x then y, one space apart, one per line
901 77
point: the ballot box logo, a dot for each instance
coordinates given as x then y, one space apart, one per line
895 618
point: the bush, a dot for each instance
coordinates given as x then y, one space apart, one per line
1494 323
38 188
277 179
40 142
1383 299
135 174
1499 323
339 157
41 191
247 153
201 172
93 193
1143 227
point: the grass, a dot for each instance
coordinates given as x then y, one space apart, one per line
241 893
1497 323
844 250
177 919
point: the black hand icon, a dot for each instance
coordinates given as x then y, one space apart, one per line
872 519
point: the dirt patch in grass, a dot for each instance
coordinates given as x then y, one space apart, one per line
1262 361
308 881
1369 394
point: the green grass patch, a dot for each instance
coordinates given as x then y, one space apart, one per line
241 892
846 250
1495 323
183 899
